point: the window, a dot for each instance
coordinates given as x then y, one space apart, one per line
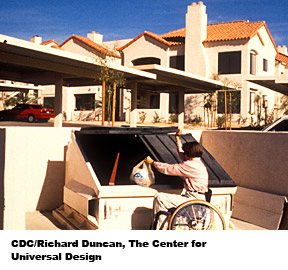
282 126
177 62
265 65
49 102
229 62
85 102
155 101
146 61
252 63
148 101
173 103
252 103
235 102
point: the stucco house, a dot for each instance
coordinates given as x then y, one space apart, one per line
230 51
233 52
80 103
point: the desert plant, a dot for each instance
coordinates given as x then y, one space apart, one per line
284 104
220 121
157 118
173 116
210 108
142 116
196 120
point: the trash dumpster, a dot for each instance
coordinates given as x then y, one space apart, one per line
99 161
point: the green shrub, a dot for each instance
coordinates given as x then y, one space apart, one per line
196 120
157 118
220 121
142 116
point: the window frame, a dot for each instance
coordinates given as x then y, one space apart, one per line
148 101
146 61
177 62
230 62
265 64
253 62
236 102
84 102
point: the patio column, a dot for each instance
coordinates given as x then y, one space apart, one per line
58 106
181 110
133 120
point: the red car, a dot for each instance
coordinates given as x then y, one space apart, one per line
29 112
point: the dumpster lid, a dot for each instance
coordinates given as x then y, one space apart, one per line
163 148
127 130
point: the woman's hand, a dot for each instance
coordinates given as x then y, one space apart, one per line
179 132
149 160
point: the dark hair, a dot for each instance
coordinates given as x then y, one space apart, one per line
192 149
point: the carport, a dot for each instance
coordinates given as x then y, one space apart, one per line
170 80
278 84
23 61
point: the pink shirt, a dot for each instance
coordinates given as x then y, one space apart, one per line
194 172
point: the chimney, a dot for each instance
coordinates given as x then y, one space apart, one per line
282 49
96 37
36 39
196 32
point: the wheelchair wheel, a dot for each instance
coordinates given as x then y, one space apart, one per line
197 215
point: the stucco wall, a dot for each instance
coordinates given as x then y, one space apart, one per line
32 167
2 166
256 160
266 51
146 47
34 171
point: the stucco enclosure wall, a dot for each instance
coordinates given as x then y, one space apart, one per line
256 160
34 171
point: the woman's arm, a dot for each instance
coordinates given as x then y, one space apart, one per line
165 168
179 144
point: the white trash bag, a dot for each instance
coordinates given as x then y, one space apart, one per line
142 174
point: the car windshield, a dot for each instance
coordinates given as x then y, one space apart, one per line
36 106
281 126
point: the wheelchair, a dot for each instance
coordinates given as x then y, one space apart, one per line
193 215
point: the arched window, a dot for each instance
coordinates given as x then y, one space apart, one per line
146 61
253 55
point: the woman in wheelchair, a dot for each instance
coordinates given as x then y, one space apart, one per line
195 180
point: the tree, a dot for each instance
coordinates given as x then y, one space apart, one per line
111 79
210 108
228 99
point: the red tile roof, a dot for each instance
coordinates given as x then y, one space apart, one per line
48 42
176 33
215 32
282 58
152 35
93 45
233 30
227 31
224 31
